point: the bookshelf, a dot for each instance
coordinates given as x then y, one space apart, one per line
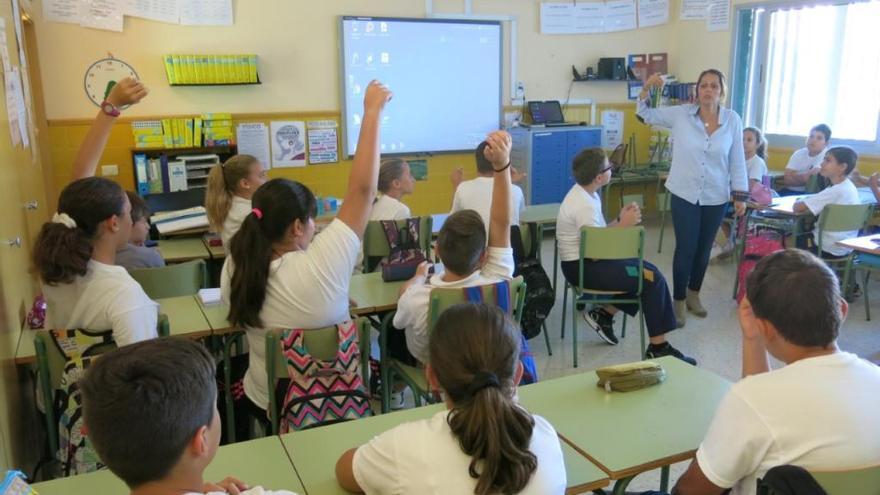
196 170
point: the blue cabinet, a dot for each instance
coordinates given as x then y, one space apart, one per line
545 154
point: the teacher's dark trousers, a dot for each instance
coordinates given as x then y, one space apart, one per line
695 228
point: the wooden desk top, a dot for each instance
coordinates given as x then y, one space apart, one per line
869 244
182 249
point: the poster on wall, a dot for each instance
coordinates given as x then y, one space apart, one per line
253 139
612 128
323 145
288 143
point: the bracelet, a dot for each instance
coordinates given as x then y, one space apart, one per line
502 169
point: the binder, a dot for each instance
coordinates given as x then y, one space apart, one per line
141 177
166 180
197 132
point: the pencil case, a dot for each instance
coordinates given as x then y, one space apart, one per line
630 376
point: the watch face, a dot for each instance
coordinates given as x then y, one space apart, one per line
102 75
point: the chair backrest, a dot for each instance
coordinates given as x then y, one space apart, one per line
814 184
864 481
376 244
617 243
836 218
442 298
322 344
182 279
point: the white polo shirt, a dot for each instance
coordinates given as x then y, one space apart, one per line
238 210
579 209
844 193
801 161
476 194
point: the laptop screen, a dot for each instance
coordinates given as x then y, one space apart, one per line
546 112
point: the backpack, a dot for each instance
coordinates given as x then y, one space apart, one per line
405 256
323 392
80 349
502 297
539 290
759 243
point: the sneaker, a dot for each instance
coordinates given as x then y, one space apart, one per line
397 401
666 349
603 323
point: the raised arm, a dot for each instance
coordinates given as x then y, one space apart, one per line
364 176
498 153
654 116
128 91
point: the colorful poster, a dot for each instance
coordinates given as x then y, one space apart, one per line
323 142
288 143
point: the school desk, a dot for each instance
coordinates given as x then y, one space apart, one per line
629 433
865 244
314 452
180 249
217 252
258 462
542 214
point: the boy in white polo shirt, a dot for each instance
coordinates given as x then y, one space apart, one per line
818 412
476 194
805 162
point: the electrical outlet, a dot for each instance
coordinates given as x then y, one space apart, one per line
109 170
520 90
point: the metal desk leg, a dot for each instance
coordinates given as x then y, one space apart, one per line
620 485
555 262
664 479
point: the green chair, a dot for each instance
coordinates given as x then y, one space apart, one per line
50 367
867 263
376 244
322 344
182 279
414 376
664 200
603 243
527 241
842 218
864 481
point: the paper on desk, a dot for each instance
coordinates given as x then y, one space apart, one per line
206 12
155 10
253 139
101 14
210 296
653 12
61 11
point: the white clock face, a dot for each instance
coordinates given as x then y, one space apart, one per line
102 75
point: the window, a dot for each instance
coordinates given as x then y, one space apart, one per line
796 67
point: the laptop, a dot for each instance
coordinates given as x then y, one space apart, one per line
548 114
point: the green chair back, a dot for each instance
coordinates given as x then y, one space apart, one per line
812 185
376 245
321 344
638 199
841 218
854 482
441 299
182 279
612 243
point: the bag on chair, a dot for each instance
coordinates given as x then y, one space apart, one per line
539 298
405 256
759 243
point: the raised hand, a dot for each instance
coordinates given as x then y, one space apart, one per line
127 91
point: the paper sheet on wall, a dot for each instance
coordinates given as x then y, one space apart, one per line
653 12
61 11
101 14
155 10
206 12
288 143
620 15
557 18
589 18
4 46
253 139
323 147
719 15
694 10
16 109
612 128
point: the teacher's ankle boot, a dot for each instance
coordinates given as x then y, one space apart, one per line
680 314
694 305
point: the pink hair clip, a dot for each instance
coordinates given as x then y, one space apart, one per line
257 213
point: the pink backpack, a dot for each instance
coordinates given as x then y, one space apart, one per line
759 243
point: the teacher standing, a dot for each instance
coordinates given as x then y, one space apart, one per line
708 166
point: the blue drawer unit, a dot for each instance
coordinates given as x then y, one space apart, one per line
545 154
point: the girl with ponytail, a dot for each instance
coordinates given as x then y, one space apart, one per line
276 276
74 255
230 188
485 442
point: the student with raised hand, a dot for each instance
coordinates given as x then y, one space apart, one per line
127 91
819 411
151 413
476 194
277 276
75 255
485 442
231 186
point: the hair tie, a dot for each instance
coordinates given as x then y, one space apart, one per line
482 380
257 213
64 219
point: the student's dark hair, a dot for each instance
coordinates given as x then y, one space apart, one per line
722 80
62 253
280 203
139 208
474 350
844 155
484 166
143 403
461 242
824 129
223 182
759 138
587 164
390 170
797 292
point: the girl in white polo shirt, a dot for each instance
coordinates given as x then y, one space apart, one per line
276 276
485 442
395 182
75 253
230 188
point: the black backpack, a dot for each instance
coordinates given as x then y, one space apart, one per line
539 290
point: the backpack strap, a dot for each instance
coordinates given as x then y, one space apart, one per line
392 235
412 228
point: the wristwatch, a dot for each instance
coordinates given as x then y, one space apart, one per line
110 109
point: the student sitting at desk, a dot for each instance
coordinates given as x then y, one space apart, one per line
134 254
395 182
805 162
818 412
151 411
836 166
582 207
486 442
476 194
228 198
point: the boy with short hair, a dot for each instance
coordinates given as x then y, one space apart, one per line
818 412
135 254
461 246
476 194
151 413
805 162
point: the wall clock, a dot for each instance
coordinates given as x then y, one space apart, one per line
102 75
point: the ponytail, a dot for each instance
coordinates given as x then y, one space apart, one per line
223 182
64 246
280 203
474 352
